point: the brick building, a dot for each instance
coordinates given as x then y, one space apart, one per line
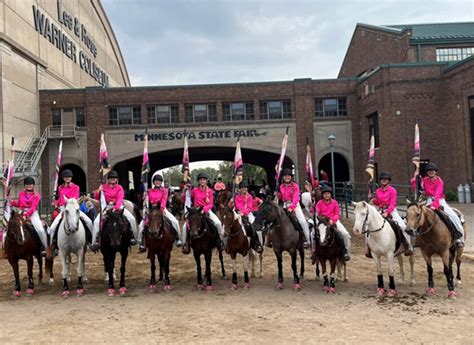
391 77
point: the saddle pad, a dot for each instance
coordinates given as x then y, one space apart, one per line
398 232
444 217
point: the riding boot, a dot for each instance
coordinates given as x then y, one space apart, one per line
186 249
368 254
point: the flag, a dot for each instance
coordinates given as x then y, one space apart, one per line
279 165
371 166
309 164
144 176
104 168
58 165
8 179
186 175
238 164
416 149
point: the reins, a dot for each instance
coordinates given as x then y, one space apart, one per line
365 224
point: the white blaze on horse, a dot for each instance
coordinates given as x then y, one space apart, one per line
381 241
72 240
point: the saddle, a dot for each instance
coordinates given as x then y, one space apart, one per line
398 234
449 224
294 221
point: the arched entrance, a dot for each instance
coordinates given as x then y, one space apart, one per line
341 167
79 176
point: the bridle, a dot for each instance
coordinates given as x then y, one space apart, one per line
417 224
364 225
67 227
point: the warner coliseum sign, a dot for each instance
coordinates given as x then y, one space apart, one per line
58 37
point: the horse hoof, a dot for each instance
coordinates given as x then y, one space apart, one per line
297 287
66 293
51 281
326 288
431 291
152 288
123 291
458 284
332 290
85 280
279 286
200 286
380 292
392 293
233 287
30 292
17 293
452 295
246 286
111 292
167 288
80 292
209 288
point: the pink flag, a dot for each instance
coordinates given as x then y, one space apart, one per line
58 165
309 164
416 149
282 156
238 164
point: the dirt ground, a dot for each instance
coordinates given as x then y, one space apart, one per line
261 314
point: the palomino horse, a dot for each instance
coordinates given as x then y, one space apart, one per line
329 247
203 239
72 239
433 237
284 237
159 242
381 241
115 237
238 243
21 245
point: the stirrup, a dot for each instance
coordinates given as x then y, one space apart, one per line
186 249
141 249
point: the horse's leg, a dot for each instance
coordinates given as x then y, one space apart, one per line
402 272
317 271
447 263
16 273
429 268
246 272
80 271
152 285
325 276
110 272
221 259
252 262
233 256
301 252
208 258
31 284
332 276
391 284
39 259
296 278
160 277
123 256
197 258
411 259
459 252
64 272
68 261
48 265
280 269
166 261
380 285
260 258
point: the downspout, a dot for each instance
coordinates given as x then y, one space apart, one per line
419 52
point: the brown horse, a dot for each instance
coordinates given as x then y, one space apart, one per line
238 243
329 247
177 205
20 244
159 242
222 201
433 237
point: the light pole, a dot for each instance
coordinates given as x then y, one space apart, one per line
332 139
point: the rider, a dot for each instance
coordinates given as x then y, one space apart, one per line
203 197
67 190
433 187
157 197
28 201
113 193
256 201
244 206
329 208
219 185
386 200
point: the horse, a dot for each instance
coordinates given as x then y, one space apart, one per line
203 239
381 240
238 243
20 244
329 247
115 237
176 205
284 237
72 239
222 201
159 242
434 237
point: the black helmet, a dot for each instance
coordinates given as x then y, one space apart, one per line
431 166
325 189
66 173
113 174
202 175
286 172
244 184
385 175
29 180
157 177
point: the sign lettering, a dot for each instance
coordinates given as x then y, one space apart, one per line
201 135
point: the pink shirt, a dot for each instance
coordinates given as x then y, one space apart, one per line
203 197
158 196
433 187
328 209
27 201
244 203
290 192
219 186
386 198
70 192
256 204
112 195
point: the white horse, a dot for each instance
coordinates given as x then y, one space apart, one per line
381 241
72 239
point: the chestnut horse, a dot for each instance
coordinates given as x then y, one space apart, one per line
238 243
159 240
434 237
20 244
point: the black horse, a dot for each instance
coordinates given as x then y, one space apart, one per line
115 237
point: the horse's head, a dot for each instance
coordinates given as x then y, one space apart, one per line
230 220
266 216
414 217
194 222
325 232
156 221
71 216
361 214
115 227
16 228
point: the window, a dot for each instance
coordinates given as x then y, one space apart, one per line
125 116
374 127
275 110
453 54
200 113
330 107
237 111
150 117
162 114
57 117
80 117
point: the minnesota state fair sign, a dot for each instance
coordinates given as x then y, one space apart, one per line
201 135
62 42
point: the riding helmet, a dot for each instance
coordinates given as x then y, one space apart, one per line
286 172
201 176
157 177
66 173
244 184
385 175
325 189
431 166
29 180
113 174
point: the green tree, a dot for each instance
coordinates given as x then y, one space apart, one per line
173 175
254 174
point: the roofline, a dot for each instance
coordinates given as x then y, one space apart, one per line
458 64
402 65
423 41
423 24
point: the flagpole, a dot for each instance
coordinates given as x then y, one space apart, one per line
56 172
416 161
8 180
144 177
281 159
371 167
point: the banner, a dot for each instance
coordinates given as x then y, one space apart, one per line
371 166
309 164
56 171
279 166
238 165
